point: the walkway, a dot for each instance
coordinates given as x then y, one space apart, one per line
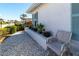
21 44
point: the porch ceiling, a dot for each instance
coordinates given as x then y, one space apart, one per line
33 7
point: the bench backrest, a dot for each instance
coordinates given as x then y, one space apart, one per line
64 36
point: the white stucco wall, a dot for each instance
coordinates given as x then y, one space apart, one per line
56 16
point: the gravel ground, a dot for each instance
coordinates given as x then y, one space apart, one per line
21 44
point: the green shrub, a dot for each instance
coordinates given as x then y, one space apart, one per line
40 27
17 24
14 28
2 31
11 29
20 27
7 28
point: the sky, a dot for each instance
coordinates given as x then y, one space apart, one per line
12 11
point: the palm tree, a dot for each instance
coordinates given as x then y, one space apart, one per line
1 20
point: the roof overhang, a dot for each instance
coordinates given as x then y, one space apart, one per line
33 7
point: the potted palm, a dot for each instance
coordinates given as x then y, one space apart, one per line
40 28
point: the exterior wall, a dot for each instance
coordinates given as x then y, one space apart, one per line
55 16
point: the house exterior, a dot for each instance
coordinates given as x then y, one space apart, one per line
57 16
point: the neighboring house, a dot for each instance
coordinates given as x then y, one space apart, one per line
28 22
28 19
57 16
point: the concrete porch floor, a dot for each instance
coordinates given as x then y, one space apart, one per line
21 44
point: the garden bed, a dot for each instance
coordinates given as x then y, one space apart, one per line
40 39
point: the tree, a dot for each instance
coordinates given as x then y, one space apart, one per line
1 20
23 17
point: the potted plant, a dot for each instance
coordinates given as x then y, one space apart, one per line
35 29
40 28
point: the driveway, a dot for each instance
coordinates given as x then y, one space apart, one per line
21 44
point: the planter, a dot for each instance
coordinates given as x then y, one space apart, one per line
40 39
26 28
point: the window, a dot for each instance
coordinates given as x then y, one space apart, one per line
35 18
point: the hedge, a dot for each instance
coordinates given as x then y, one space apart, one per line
11 29
14 28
